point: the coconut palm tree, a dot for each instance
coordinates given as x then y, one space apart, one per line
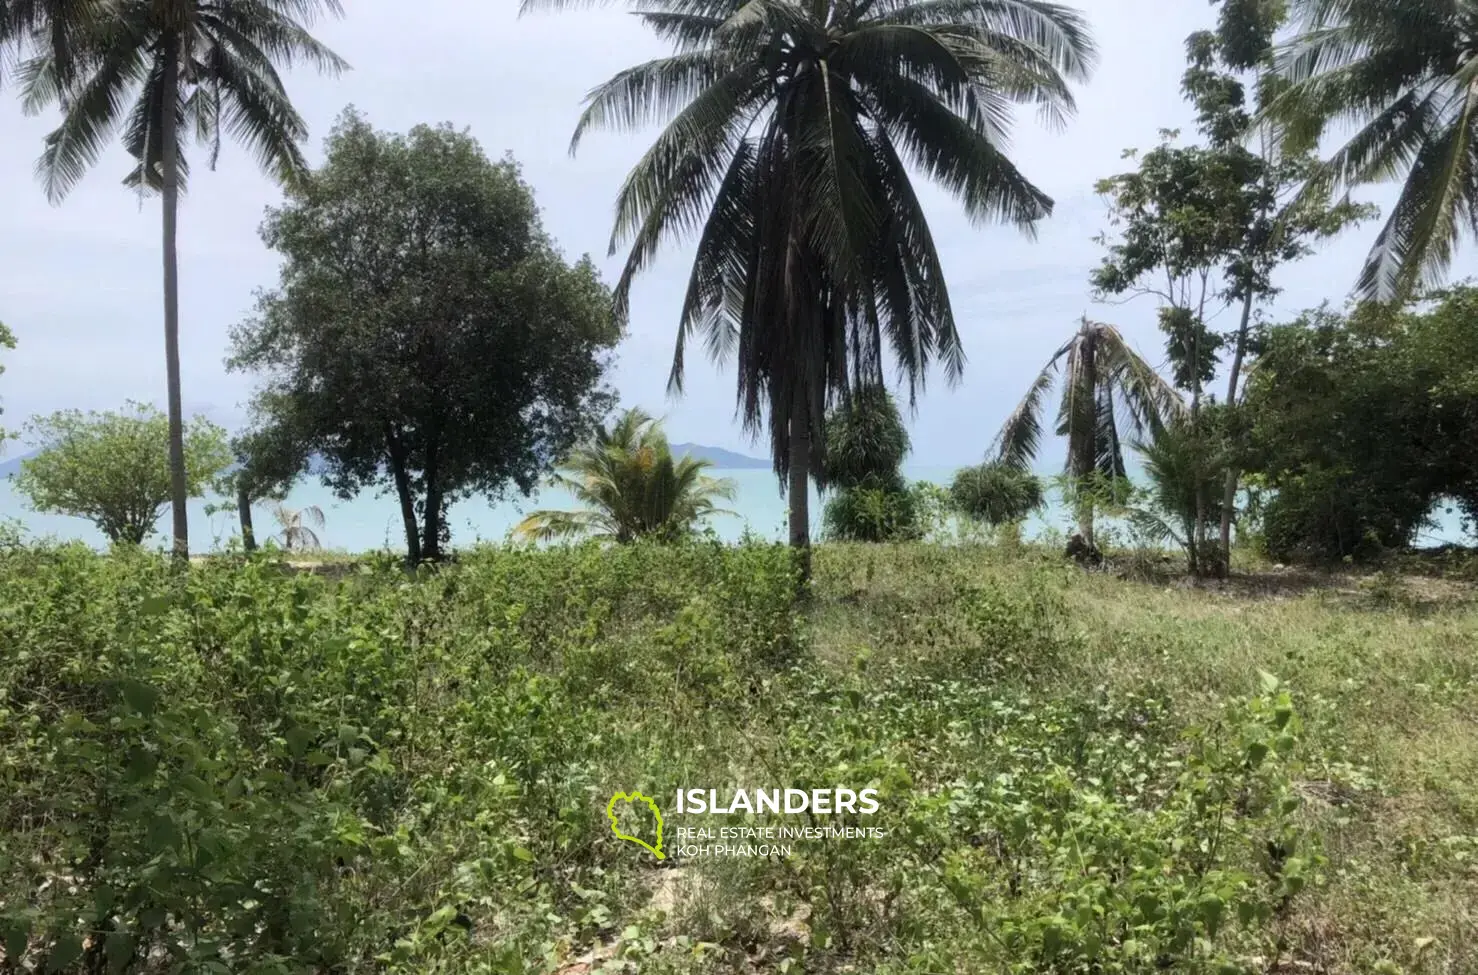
790 127
1108 391
164 70
631 487
1405 74
298 526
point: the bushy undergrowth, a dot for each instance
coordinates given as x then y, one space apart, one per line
242 768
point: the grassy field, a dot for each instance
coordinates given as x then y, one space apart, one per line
246 768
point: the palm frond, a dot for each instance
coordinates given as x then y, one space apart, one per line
1020 438
1403 73
93 111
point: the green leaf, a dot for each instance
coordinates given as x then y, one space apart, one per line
298 740
118 948
141 764
141 697
161 834
1268 681
68 949
1212 907
523 854
156 605
17 937
197 786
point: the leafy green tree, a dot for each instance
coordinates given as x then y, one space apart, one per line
1400 74
790 129
1108 391
867 513
996 493
1205 227
113 468
1361 422
164 70
866 443
632 488
426 331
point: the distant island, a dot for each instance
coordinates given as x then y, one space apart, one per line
720 458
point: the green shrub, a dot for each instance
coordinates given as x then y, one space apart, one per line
238 767
996 493
873 514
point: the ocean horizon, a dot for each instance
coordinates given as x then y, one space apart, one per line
372 522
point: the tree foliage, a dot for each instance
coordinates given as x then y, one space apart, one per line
1204 227
866 443
113 468
1182 468
298 528
118 69
996 493
1362 421
426 333
631 486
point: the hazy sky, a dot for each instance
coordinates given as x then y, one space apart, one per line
80 282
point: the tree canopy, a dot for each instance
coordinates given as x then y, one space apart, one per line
113 468
1362 421
426 334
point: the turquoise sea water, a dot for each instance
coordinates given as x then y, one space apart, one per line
370 523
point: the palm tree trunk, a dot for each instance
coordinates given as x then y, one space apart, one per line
243 512
1229 490
1082 443
1085 522
800 479
171 202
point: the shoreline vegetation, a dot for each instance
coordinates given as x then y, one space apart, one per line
359 770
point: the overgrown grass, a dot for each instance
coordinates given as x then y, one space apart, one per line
245 768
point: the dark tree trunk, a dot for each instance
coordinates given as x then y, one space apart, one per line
403 491
243 512
431 537
800 476
171 201
1198 531
1229 489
